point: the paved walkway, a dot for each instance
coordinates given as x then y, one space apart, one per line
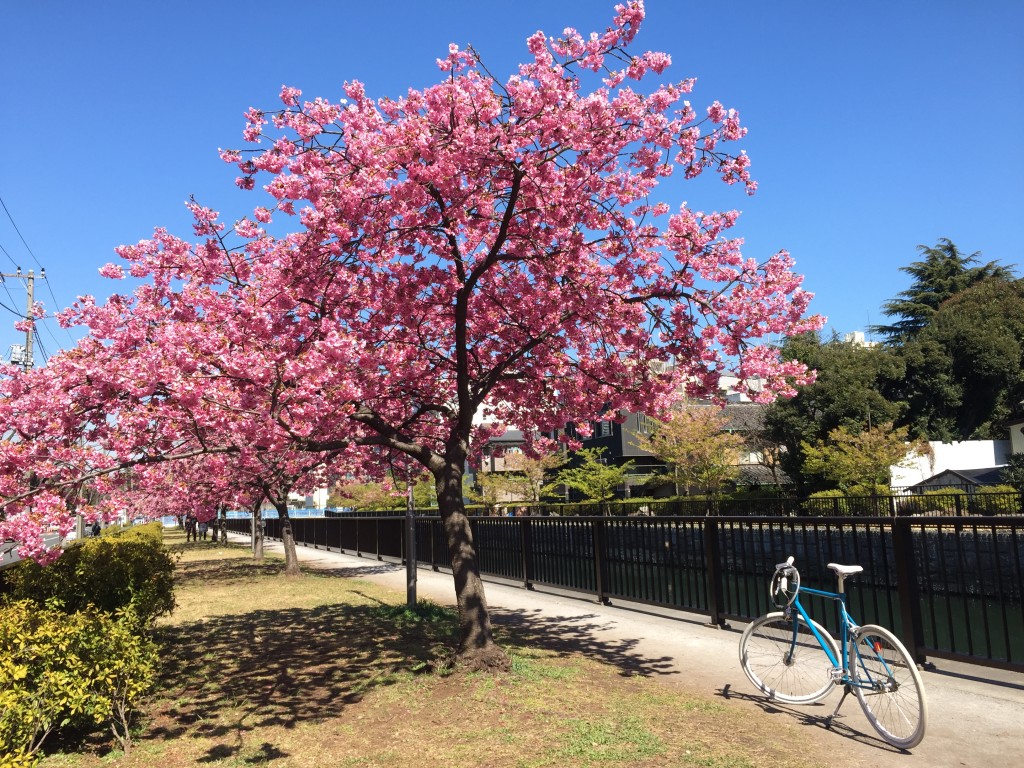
976 714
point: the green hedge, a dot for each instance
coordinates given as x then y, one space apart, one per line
64 670
129 568
858 501
997 500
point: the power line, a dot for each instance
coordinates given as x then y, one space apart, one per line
9 257
56 304
42 349
52 336
2 282
9 309
2 203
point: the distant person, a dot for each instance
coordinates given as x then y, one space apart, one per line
96 528
190 528
204 527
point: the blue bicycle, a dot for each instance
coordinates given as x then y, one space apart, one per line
792 659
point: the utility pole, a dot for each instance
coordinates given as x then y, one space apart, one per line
30 283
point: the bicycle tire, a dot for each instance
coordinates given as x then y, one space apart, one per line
895 702
805 677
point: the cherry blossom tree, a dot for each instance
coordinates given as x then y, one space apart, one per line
476 248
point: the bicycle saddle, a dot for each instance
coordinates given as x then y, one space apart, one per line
846 570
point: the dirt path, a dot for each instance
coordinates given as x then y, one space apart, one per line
975 713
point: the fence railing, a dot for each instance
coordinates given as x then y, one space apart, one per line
953 504
949 587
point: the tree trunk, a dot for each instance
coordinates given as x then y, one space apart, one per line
257 532
476 648
291 558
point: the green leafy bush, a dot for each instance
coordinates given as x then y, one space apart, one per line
937 501
997 500
79 670
831 503
153 531
111 572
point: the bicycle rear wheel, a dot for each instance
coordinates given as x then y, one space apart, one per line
888 686
793 673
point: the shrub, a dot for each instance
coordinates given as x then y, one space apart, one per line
153 531
111 572
61 670
827 504
996 500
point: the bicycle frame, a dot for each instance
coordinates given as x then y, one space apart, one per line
846 623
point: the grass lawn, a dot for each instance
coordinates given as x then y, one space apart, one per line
261 669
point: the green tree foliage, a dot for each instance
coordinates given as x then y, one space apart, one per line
699 453
377 497
491 490
850 459
965 369
132 569
1013 473
69 670
534 473
591 476
848 393
943 272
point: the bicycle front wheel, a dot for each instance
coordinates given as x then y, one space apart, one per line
888 686
793 671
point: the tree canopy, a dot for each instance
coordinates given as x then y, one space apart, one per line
943 272
965 369
699 453
848 393
476 248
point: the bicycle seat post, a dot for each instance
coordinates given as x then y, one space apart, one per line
841 572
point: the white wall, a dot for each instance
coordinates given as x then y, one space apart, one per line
1017 438
317 499
970 454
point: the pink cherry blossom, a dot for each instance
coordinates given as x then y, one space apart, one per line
475 246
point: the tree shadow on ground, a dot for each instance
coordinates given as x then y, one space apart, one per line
359 571
570 635
225 676
226 571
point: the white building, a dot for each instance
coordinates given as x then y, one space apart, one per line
970 454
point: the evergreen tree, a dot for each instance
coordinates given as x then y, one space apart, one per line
941 274
847 393
965 369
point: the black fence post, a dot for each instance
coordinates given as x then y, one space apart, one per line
599 547
433 546
526 547
912 631
712 557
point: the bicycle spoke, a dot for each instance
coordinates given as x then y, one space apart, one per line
888 686
794 674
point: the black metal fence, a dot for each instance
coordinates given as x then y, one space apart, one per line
933 504
949 587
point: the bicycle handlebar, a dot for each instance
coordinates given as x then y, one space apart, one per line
781 583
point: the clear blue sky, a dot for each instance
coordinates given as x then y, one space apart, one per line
874 126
